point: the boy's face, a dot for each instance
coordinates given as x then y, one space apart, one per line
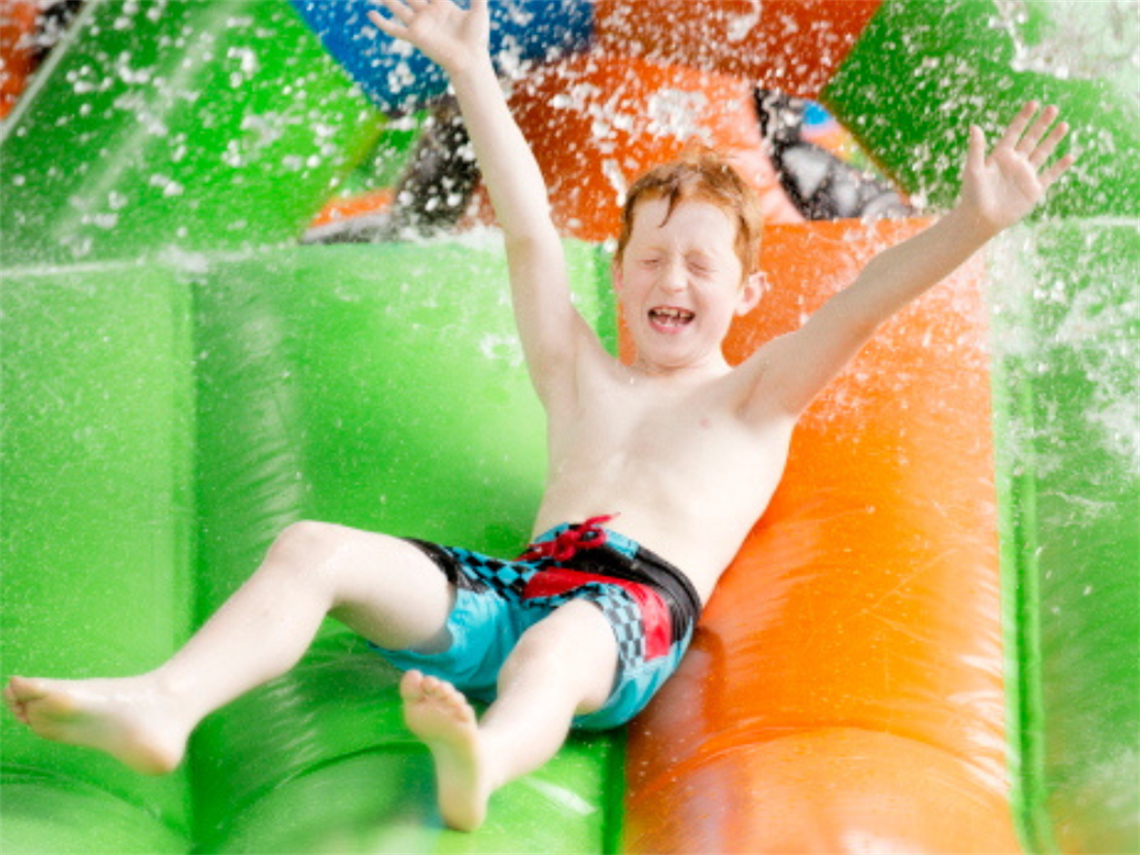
679 284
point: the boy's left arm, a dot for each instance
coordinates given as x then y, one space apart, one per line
997 191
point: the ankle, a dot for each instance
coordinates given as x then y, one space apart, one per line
494 755
173 695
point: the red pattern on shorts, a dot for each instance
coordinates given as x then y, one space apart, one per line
656 622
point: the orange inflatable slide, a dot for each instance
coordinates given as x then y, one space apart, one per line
847 675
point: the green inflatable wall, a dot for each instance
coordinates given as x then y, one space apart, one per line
196 125
162 423
1068 347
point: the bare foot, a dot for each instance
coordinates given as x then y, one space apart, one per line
440 715
121 717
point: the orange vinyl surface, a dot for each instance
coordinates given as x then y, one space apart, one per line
791 45
844 692
18 20
595 123
337 209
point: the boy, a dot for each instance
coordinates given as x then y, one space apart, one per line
662 464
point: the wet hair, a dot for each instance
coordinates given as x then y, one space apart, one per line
701 175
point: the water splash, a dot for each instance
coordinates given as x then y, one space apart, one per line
1076 39
1069 307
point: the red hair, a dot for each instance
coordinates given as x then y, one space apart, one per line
700 175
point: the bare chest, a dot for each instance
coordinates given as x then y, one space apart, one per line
681 444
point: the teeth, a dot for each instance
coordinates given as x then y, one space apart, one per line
670 312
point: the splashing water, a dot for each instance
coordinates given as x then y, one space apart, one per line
1079 39
1070 308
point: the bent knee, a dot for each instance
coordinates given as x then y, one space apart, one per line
306 544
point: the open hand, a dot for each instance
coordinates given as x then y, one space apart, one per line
447 34
1005 186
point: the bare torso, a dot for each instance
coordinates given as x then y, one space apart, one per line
675 458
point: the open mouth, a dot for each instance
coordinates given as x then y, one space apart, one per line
670 318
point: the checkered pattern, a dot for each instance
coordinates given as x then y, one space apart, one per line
509 579
625 617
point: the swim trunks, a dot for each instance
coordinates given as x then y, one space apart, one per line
651 606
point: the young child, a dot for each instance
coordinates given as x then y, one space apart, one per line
658 469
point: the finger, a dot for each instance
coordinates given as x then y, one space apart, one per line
400 10
1046 148
976 151
1033 136
1017 126
479 9
1058 169
389 28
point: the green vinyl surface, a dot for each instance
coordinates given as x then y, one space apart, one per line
162 422
1068 333
188 125
924 70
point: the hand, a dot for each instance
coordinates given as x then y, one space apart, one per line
447 34
1000 189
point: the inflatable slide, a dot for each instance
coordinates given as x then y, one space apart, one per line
929 644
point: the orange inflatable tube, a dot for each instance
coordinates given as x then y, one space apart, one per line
596 122
791 45
844 691
18 21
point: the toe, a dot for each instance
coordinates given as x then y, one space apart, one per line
412 686
25 689
14 704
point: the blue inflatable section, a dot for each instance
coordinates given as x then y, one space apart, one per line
399 79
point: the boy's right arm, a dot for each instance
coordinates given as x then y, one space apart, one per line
551 330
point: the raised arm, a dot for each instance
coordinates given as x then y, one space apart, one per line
997 191
457 39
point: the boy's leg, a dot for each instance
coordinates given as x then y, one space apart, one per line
562 667
384 588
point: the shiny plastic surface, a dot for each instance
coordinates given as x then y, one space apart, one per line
791 45
1069 351
96 537
162 423
922 72
596 122
844 693
864 712
197 125
401 81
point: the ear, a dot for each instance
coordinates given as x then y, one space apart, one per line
615 274
751 292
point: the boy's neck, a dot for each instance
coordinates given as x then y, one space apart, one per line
712 369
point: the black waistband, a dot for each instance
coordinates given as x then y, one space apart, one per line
646 568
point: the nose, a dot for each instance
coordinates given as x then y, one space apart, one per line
673 278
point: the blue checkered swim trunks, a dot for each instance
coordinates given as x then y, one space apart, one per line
651 606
